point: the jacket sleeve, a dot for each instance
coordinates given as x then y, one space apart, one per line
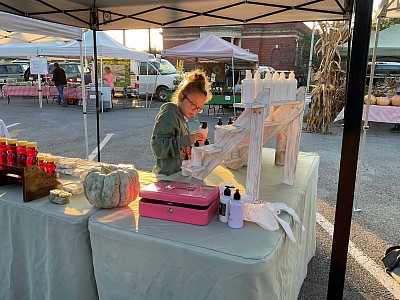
166 141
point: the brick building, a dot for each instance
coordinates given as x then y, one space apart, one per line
281 46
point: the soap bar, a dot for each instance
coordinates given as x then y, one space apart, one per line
73 187
59 196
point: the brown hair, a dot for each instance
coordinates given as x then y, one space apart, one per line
196 81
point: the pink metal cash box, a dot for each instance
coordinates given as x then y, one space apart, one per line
178 201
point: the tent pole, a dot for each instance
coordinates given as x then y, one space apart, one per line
84 100
350 145
101 83
366 127
96 84
233 87
40 91
311 58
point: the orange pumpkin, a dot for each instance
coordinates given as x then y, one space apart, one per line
396 100
384 101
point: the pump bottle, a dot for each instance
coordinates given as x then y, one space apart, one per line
248 88
217 130
292 86
196 155
224 204
203 129
185 163
235 211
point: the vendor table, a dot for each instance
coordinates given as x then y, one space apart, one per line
143 258
378 113
45 248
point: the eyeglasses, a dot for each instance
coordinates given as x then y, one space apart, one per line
193 106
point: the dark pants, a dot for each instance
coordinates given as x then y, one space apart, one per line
60 97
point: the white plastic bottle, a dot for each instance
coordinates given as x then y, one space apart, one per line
203 129
236 211
274 87
267 82
282 86
248 88
196 155
224 204
185 163
217 130
258 84
292 86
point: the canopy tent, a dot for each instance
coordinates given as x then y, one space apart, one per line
25 49
17 29
121 14
388 43
107 47
213 48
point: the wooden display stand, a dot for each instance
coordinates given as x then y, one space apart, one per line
36 183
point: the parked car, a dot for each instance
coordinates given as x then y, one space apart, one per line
72 70
11 70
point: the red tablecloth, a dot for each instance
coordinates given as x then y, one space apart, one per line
47 91
378 113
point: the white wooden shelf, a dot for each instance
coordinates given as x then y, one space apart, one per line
249 105
193 169
230 128
208 149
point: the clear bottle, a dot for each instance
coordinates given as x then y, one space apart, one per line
3 150
31 153
282 86
51 166
236 211
196 155
21 153
274 87
224 204
292 86
12 152
247 88
258 84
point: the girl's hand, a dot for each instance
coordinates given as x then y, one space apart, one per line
196 136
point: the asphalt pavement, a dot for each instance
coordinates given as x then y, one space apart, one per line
60 130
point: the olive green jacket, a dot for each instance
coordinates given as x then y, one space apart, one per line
170 136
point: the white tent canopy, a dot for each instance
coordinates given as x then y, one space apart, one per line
211 47
26 49
106 47
16 29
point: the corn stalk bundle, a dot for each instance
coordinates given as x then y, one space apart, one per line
329 89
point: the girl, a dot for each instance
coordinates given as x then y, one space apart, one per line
171 139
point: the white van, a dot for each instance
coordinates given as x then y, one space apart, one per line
153 77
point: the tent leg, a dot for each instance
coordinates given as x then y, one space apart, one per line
350 145
96 84
84 100
365 127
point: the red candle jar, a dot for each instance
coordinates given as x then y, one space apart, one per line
51 166
31 153
40 162
21 153
3 150
12 152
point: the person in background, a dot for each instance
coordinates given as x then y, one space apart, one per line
60 80
396 85
171 138
108 78
3 130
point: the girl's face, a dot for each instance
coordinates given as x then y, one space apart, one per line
191 103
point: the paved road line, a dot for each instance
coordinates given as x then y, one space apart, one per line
367 263
102 144
11 125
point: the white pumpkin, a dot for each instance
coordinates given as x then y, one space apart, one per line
111 186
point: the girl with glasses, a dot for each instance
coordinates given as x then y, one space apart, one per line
171 138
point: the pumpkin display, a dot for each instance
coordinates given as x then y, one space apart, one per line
111 186
396 100
373 99
383 101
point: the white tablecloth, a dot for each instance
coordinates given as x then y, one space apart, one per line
144 258
45 248
378 113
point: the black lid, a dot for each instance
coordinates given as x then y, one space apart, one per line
230 121
236 195
203 125
197 144
220 121
227 191
186 156
207 142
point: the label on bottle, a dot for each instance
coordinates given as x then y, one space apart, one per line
222 209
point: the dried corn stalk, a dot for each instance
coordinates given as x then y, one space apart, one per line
329 90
